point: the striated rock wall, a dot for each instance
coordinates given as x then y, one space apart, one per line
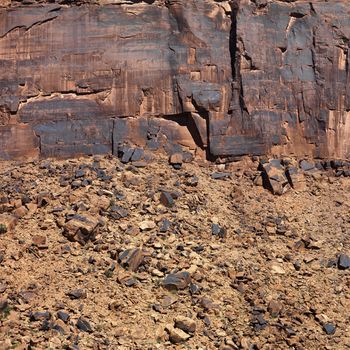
221 78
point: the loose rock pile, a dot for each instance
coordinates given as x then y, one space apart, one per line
100 253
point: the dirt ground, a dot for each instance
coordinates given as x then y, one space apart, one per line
257 271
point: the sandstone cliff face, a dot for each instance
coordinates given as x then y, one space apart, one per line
223 77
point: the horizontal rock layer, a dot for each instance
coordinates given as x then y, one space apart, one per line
225 78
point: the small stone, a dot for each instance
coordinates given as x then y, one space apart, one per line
117 212
166 199
168 301
131 259
20 212
4 305
140 164
32 208
164 225
79 173
207 304
77 294
329 328
274 308
81 228
137 155
46 325
176 160
306 166
296 178
40 316
179 280
217 230
60 327
84 325
157 273
127 154
39 241
343 262
274 177
63 316
176 335
220 175
147 225
186 324
277 269
7 223
193 181
43 199
194 289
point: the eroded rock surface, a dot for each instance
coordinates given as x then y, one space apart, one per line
218 78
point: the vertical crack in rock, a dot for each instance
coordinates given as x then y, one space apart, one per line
233 38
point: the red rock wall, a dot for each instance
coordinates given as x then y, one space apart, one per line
226 77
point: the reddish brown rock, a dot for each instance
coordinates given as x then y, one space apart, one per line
81 228
231 78
7 223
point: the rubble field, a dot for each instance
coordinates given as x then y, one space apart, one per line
108 253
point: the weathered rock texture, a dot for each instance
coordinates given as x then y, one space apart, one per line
227 77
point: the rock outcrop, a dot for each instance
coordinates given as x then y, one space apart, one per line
219 78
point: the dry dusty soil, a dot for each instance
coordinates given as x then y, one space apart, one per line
106 255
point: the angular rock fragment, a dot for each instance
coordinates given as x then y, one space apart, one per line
64 316
186 324
329 328
176 160
217 230
220 176
147 225
176 335
274 308
39 241
296 178
127 153
81 228
117 212
164 225
137 155
20 212
343 261
7 223
274 177
306 165
179 280
43 199
4 307
167 199
84 325
131 259
77 294
40 316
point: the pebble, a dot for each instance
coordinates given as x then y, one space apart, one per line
166 199
329 328
176 335
77 294
343 262
63 316
277 269
179 280
131 259
147 225
186 324
84 325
